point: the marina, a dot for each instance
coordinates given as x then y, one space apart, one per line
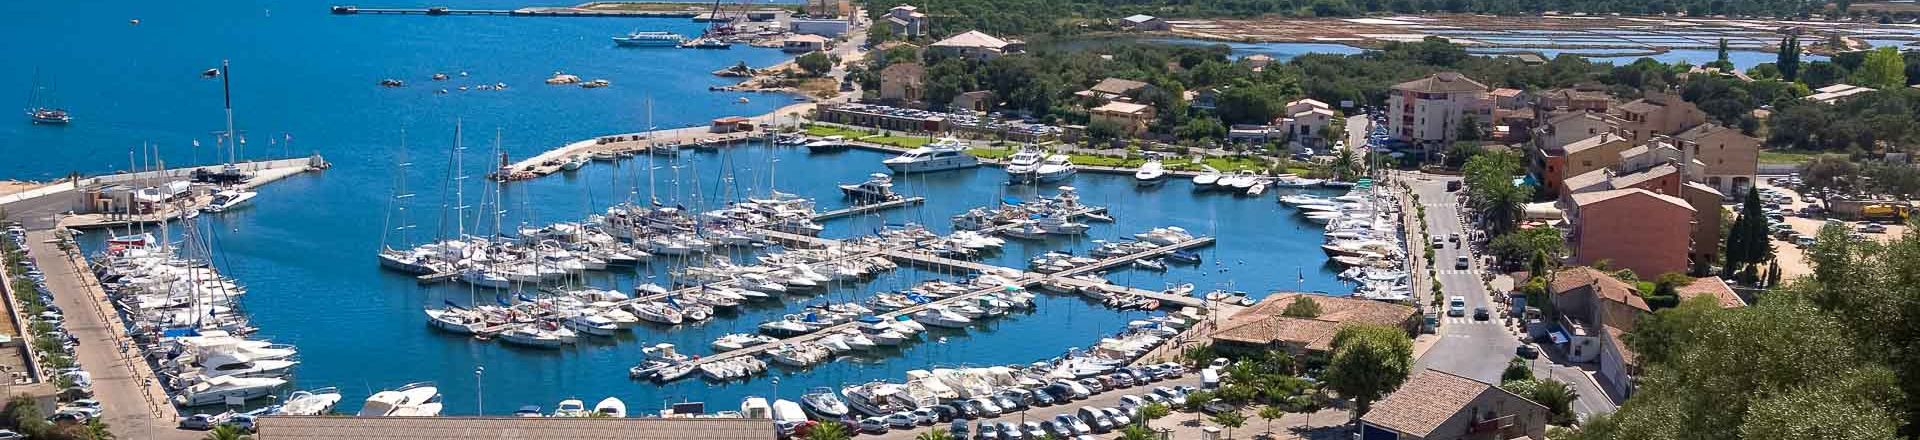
301 248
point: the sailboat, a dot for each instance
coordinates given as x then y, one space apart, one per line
39 112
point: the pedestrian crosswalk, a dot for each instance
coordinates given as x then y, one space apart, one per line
1465 320
1458 272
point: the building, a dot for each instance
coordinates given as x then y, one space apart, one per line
1258 62
1596 312
1133 119
804 43
1546 148
1836 93
903 83
975 101
731 124
907 21
830 28
1633 228
1657 114
884 118
530 428
976 45
1145 23
1731 158
1263 327
1429 111
1706 221
1113 89
1585 156
1437 405
1306 122
1577 98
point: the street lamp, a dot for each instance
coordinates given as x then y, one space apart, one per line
479 391
776 387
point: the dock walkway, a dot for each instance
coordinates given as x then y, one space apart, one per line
135 405
863 209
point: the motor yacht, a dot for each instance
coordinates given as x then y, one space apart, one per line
1206 181
311 403
219 389
828 144
823 404
610 407
1022 165
878 188
942 155
227 199
1151 173
592 324
1055 168
736 341
941 317
421 399
649 39
570 408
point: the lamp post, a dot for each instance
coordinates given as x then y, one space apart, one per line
776 387
479 391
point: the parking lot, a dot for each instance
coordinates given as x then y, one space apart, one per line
1788 247
1037 415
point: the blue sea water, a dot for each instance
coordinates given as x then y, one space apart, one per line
305 247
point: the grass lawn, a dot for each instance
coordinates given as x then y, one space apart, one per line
824 130
1787 156
899 141
1104 161
990 153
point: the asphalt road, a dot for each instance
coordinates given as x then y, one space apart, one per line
1481 349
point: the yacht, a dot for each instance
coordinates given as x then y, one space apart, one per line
1056 168
228 199
877 398
878 188
420 399
941 317
311 403
574 162
945 154
828 144
456 320
649 39
1150 173
611 407
657 313
1022 165
49 116
570 408
535 336
219 389
1207 180
736 341
592 324
823 404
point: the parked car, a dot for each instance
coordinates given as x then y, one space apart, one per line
900 420
1093 385
1527 351
1041 398
873 425
1120 380
1439 243
1216 406
1008 431
986 432
987 407
1095 418
10 435
1131 401
959 429
925 416
1120 418
1033 430
1008 403
201 422
944 412
1072 423
1054 428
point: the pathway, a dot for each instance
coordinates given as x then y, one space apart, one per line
134 405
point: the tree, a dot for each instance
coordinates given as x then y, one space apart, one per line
1201 128
1345 164
1151 412
1137 432
1788 60
1302 307
1542 244
1469 130
1720 61
1230 420
1368 362
98 430
829 431
231 432
1884 69
935 434
1516 370
1820 74
1748 243
815 63
1270 413
1492 192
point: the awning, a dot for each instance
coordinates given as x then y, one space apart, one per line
1559 337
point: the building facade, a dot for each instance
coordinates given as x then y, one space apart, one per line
1731 158
1429 111
1632 228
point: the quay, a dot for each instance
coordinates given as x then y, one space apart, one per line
549 162
135 405
863 209
538 11
55 205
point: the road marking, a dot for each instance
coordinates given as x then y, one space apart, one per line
1459 272
1466 320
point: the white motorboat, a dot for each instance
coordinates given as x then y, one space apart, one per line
570 408
665 352
799 355
219 389
1056 168
227 199
1059 225
1206 181
1151 173
1164 236
311 403
1257 188
877 188
421 399
592 324
829 143
823 404
1022 165
877 398
610 407
941 317
942 155
736 341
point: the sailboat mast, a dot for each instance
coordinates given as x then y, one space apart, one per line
459 185
226 93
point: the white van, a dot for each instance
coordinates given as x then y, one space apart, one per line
1210 378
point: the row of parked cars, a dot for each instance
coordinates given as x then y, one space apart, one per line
961 413
78 406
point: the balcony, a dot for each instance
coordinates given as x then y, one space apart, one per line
1495 424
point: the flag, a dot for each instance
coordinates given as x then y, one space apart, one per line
211 73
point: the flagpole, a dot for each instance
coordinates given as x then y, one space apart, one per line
233 139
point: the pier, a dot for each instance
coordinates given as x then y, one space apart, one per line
51 205
549 162
863 209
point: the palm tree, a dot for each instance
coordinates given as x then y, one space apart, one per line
1136 432
98 430
1270 413
828 431
1558 397
226 432
1230 420
1344 164
935 434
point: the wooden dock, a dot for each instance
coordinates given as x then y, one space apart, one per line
863 209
